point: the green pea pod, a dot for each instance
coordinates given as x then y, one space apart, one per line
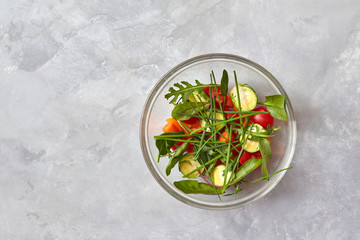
249 166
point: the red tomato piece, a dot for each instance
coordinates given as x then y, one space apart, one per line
192 122
215 92
229 115
244 157
218 162
262 119
256 155
189 149
228 102
237 150
224 137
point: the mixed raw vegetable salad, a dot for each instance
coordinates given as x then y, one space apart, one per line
218 135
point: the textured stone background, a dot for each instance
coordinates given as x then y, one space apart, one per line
74 76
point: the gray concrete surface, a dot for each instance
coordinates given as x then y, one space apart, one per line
74 76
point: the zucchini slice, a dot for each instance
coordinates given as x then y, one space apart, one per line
250 145
218 178
219 116
247 97
188 164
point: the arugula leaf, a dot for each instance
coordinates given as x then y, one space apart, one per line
276 106
164 145
278 113
184 91
182 108
265 151
188 108
275 100
194 187
176 157
224 83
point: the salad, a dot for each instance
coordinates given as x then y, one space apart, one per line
217 137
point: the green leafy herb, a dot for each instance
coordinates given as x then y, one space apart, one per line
164 145
249 166
276 106
224 83
184 91
183 111
275 101
194 187
278 113
265 151
175 158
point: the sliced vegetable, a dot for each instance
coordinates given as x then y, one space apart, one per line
178 144
248 98
193 123
257 155
188 164
216 93
244 157
218 178
218 116
253 145
172 126
224 137
262 119
228 102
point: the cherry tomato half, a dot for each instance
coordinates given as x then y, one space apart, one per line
262 119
